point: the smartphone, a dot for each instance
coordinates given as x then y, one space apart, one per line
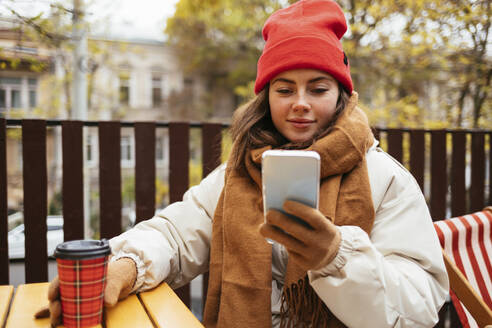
290 175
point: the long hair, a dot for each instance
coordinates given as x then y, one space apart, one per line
252 127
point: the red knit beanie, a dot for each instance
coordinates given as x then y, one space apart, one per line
304 35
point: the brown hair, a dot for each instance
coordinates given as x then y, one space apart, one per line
252 127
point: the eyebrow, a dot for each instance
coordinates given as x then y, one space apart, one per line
316 79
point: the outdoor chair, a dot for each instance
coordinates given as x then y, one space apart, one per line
467 252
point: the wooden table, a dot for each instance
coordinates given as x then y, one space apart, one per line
159 307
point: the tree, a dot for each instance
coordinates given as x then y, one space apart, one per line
52 30
414 63
220 40
471 54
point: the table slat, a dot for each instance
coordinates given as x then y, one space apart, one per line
5 296
128 313
27 300
167 310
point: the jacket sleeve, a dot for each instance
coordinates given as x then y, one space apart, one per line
396 276
173 246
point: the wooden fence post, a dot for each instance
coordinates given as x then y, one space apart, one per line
477 188
179 154
211 156
144 170
458 164
73 180
35 199
439 179
417 156
395 141
4 253
110 179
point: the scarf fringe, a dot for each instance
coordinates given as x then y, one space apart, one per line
302 307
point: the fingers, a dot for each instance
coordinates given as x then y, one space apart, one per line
120 279
297 258
292 226
54 309
269 231
310 215
43 312
55 313
111 293
54 289
295 252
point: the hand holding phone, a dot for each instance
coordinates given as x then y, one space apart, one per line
311 240
312 245
290 175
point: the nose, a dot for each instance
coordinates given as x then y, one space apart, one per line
301 103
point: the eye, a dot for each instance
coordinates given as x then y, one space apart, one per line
283 91
319 90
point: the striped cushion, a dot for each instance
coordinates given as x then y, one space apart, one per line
467 241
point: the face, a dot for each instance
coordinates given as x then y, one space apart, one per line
302 102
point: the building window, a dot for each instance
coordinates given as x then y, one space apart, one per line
3 99
11 81
188 82
126 151
15 97
12 90
10 96
89 149
156 91
124 89
33 98
20 154
159 149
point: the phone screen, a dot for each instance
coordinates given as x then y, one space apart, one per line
290 175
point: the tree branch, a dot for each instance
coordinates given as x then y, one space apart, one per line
55 38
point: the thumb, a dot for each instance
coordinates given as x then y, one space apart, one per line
43 312
55 313
111 293
53 310
54 289
120 279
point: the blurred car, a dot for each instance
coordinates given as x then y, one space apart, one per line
16 237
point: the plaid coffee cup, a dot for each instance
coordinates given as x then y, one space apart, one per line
82 268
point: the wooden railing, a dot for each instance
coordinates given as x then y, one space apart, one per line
444 151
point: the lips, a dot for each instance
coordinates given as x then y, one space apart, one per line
301 123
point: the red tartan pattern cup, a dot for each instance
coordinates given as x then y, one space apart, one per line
82 267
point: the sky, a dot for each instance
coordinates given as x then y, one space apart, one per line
128 19
131 18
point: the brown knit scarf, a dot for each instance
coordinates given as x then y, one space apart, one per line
239 290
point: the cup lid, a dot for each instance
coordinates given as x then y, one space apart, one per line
82 249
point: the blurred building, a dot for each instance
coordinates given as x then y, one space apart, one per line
128 80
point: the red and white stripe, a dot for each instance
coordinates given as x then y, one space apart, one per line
467 241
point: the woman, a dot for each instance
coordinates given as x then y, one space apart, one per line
369 257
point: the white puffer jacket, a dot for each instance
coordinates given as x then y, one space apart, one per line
394 277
